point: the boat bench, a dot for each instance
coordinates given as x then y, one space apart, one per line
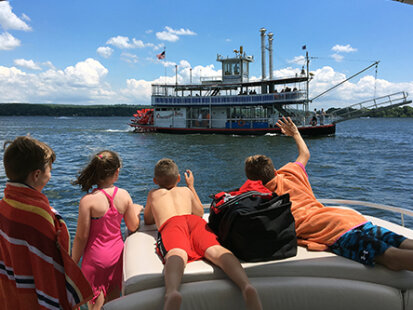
310 280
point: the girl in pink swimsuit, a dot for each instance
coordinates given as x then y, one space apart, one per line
98 236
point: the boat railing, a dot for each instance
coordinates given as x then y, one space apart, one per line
242 99
341 202
365 107
210 79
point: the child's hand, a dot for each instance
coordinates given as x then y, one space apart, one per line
189 178
138 208
287 126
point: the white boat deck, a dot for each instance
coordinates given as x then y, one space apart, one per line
310 280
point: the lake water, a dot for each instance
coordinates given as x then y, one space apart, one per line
367 159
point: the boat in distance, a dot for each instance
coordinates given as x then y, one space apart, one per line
235 105
232 103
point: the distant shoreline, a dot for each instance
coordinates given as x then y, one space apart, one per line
33 109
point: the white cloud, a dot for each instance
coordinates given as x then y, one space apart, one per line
206 71
120 42
124 43
352 91
84 83
343 48
337 57
29 64
9 20
81 83
8 42
49 65
286 72
227 40
184 64
104 51
130 58
148 31
138 90
299 60
167 63
157 47
86 73
26 18
167 36
172 35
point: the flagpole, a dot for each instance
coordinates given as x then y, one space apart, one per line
166 89
164 78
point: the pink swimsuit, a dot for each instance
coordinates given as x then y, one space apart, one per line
102 259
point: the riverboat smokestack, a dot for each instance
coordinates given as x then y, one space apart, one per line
263 30
270 39
263 87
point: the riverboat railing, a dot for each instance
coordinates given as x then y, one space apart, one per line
367 106
250 99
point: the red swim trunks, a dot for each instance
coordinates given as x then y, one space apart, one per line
187 232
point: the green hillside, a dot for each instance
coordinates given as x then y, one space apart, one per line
26 109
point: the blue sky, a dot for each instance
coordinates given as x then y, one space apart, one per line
104 52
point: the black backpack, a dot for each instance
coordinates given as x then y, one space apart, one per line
255 226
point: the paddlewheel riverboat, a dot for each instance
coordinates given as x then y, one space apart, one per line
234 104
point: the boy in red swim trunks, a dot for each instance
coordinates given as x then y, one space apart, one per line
184 236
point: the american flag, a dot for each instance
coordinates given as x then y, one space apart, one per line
161 55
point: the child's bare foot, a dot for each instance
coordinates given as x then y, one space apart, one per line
251 297
173 300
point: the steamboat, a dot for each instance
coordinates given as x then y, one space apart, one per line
234 104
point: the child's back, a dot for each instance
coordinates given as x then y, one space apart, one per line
167 203
184 236
100 203
98 237
105 243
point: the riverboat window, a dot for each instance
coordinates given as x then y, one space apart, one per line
245 68
231 68
236 69
241 112
199 117
227 68
260 112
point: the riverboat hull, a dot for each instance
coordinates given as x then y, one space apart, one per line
321 130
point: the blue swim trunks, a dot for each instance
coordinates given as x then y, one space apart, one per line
366 242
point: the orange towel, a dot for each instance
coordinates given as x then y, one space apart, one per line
316 226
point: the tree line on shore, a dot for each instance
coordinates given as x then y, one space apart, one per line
405 111
29 109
